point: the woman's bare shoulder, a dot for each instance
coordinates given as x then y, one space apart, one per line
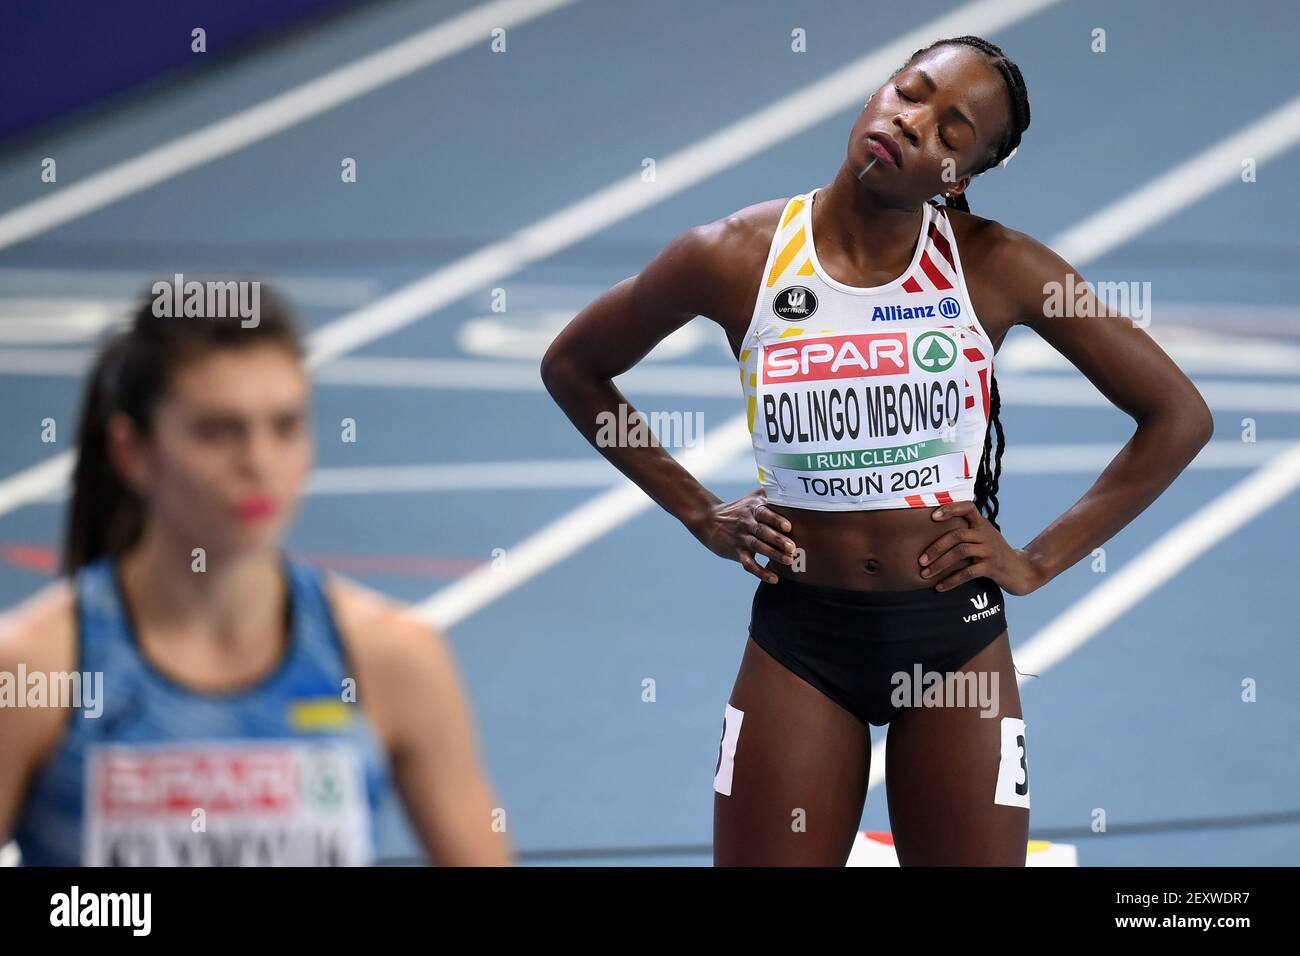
383 633
37 636
987 241
41 630
746 234
735 246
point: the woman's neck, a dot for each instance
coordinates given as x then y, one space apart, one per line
231 599
851 216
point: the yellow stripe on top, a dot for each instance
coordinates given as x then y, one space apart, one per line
785 257
795 205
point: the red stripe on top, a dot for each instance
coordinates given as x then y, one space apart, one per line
915 501
965 462
938 278
941 243
911 285
944 497
975 355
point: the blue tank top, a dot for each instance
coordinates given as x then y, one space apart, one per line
288 771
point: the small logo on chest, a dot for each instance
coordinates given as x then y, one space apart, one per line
896 313
948 308
795 303
934 351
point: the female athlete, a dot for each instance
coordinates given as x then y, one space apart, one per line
228 705
866 363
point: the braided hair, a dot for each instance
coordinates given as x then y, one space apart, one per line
986 479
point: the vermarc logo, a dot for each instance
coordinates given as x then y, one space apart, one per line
795 303
982 609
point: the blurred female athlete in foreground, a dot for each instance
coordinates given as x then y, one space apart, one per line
253 710
866 361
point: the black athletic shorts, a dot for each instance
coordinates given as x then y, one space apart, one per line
852 645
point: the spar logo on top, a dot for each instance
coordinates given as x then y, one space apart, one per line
238 803
863 355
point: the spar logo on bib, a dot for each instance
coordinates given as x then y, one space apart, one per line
795 303
934 351
227 803
845 356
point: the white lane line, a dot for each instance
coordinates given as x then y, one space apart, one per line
569 533
36 482
1156 564
1185 184
596 472
1077 392
1161 560
1223 349
258 122
683 381
570 474
734 144
460 599
54 286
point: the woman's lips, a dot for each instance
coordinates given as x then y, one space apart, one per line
880 151
256 508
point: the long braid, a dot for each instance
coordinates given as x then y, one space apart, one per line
990 469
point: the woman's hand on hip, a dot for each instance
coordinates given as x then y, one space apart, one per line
974 551
742 529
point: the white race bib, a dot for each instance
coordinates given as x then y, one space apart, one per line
226 803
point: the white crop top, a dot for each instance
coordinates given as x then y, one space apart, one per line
860 399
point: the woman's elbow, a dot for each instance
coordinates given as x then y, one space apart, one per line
1192 428
1202 426
555 368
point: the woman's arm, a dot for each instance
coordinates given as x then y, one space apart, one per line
410 685
1139 378
40 636
1134 373
616 331
694 275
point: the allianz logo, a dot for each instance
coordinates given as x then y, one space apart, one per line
982 609
894 313
948 308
